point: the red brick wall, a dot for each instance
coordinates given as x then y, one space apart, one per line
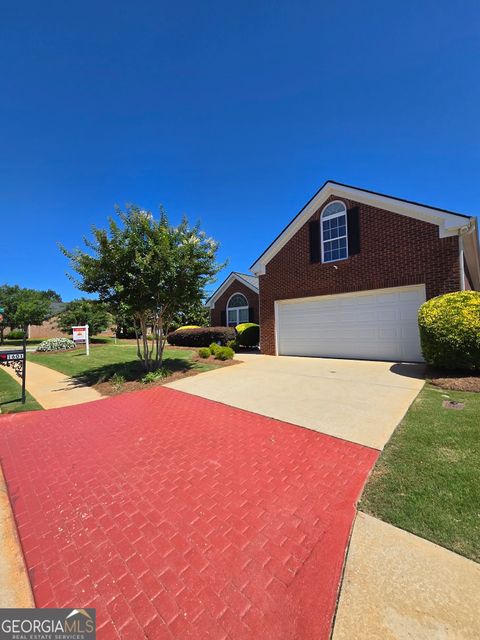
50 329
221 303
395 251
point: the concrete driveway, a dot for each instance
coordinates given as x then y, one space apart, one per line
360 401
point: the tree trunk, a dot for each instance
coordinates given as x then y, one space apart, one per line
135 326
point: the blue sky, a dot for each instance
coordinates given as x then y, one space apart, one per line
233 113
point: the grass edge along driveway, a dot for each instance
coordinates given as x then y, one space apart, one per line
107 359
427 480
11 396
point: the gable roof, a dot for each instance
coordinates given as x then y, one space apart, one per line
448 222
247 279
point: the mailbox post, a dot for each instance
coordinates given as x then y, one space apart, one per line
24 368
18 361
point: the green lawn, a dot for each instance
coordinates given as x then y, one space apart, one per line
427 479
105 360
11 396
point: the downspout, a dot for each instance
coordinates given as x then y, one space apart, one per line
463 231
462 262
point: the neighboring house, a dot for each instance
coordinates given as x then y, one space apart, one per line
346 277
235 301
50 329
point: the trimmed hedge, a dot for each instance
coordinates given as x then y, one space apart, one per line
201 337
188 326
450 330
249 334
240 328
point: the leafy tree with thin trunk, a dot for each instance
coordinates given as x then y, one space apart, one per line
33 307
82 312
149 267
24 307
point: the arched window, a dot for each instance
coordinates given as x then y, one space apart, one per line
237 310
334 232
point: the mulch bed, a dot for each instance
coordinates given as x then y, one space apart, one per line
454 380
108 389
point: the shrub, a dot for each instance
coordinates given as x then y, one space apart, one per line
153 376
204 352
450 330
233 344
240 328
15 335
249 334
56 344
224 353
201 337
213 348
188 326
117 380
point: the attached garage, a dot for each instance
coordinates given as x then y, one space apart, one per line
379 324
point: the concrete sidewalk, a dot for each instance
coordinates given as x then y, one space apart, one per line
53 389
15 590
398 586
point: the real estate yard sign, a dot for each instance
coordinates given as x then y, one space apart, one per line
80 336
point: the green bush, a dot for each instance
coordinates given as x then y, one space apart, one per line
201 337
249 334
450 330
56 344
224 353
15 335
188 326
240 328
204 352
214 347
153 376
233 344
117 380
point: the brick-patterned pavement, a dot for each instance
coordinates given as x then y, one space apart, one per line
178 517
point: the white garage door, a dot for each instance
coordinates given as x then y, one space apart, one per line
376 325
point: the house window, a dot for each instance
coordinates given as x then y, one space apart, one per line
237 310
334 232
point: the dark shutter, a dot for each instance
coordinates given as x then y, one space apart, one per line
223 319
314 226
353 220
251 314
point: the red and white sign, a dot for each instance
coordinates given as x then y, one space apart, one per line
79 334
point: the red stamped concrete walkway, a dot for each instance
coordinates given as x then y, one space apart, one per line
177 517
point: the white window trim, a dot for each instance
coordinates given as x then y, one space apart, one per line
237 309
332 217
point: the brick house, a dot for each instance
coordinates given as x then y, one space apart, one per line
235 301
346 277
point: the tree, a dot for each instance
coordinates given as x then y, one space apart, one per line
149 267
8 300
195 313
33 307
24 307
83 311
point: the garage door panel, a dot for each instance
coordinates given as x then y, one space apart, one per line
378 324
